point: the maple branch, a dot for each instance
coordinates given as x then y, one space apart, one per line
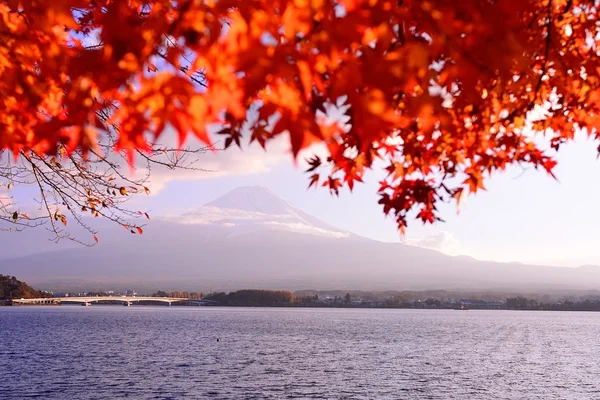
547 49
568 6
544 70
94 46
184 70
481 66
93 185
175 158
7 214
43 194
58 87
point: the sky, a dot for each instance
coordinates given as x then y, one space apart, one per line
523 216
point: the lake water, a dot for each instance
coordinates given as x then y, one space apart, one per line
112 352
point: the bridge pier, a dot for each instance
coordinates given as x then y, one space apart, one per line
127 303
86 304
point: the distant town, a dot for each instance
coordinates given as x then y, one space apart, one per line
13 292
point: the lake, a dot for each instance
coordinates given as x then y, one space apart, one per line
140 352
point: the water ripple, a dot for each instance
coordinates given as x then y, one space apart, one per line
108 352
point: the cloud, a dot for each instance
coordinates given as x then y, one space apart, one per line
218 215
245 221
250 159
7 204
6 200
441 241
308 229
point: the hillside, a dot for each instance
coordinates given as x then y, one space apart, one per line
250 238
12 288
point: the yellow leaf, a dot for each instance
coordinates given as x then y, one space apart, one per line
519 122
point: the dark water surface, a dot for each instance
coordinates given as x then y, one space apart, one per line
112 352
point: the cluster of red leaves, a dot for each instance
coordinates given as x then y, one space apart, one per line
444 92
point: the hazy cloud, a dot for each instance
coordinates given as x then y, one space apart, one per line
235 218
308 229
251 159
6 200
441 241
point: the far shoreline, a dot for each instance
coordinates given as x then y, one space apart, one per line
311 307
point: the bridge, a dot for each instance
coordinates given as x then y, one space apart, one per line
124 300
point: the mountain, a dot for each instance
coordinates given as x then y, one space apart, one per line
250 238
251 209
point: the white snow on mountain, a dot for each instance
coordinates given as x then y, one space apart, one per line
248 209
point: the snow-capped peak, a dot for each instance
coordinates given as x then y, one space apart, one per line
252 198
253 208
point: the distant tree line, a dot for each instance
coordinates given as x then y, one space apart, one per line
395 297
12 288
522 303
253 298
180 295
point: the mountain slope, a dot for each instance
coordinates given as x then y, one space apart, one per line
251 238
251 209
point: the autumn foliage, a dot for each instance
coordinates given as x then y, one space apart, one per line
12 288
442 92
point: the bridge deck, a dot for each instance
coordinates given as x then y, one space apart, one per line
90 300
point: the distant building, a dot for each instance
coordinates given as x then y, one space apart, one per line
482 304
130 292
